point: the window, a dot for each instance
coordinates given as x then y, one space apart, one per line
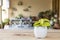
0 2
5 7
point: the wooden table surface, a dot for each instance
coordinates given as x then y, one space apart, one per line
27 35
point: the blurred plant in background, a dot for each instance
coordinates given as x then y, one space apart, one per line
6 22
19 16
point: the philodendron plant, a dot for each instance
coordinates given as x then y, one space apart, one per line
42 23
40 26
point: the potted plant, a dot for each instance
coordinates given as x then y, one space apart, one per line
6 23
41 26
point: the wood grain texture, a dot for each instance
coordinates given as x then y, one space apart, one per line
27 35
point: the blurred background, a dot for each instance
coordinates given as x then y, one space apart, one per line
21 14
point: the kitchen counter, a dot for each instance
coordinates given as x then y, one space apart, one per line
27 35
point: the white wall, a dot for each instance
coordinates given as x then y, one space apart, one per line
37 6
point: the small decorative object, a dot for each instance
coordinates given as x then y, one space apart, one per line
40 28
29 6
56 25
6 27
55 15
26 22
6 22
14 9
26 9
20 3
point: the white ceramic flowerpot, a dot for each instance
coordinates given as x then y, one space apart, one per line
40 32
6 27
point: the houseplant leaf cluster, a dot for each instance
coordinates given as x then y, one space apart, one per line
42 22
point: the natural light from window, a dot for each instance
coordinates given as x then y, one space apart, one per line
5 9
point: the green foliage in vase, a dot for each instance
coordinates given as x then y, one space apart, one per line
5 22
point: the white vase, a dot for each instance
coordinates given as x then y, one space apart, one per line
40 32
6 27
